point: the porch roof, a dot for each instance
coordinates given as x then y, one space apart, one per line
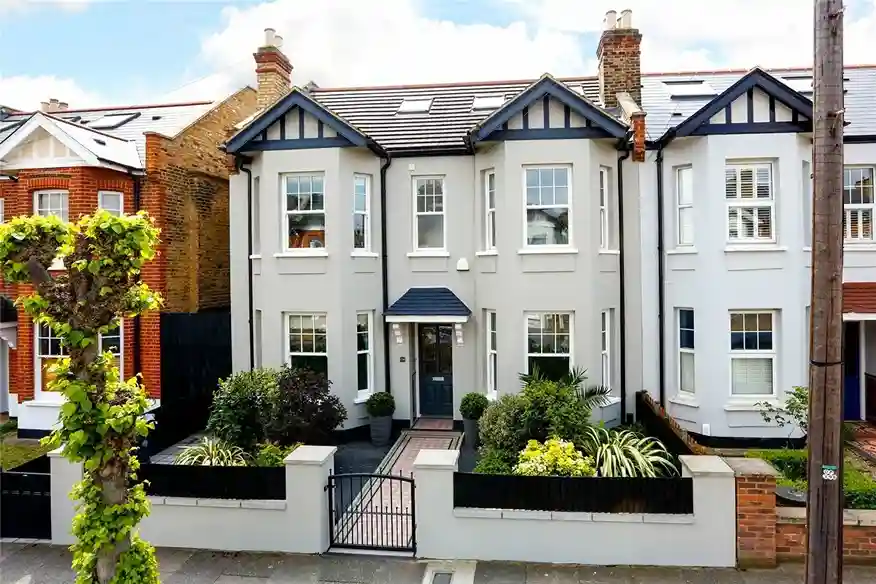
859 298
427 304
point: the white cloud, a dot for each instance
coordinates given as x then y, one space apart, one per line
20 5
26 93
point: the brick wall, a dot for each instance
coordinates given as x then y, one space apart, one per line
82 185
766 534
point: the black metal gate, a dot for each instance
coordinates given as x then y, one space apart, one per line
26 503
372 512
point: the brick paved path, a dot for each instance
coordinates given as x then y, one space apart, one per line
382 515
865 438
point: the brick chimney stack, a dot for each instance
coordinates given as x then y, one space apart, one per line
273 69
620 54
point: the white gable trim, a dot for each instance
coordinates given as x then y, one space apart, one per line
38 120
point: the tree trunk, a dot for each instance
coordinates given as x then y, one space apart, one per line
114 489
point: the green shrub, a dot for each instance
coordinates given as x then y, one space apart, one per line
473 405
553 458
240 407
501 426
859 489
552 409
627 454
789 462
380 404
272 454
212 452
303 409
494 461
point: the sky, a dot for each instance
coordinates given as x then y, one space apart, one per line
110 52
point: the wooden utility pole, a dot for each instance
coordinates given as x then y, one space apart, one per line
824 558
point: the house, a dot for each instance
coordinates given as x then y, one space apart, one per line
161 158
651 229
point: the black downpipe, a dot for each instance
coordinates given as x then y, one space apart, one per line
138 359
384 269
249 284
661 279
622 288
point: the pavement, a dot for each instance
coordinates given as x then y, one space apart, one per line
27 563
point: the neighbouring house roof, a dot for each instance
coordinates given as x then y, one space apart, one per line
123 122
93 146
449 119
666 111
432 302
859 297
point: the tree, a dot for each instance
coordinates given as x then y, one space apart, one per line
102 418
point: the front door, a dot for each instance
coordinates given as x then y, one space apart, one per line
852 371
436 369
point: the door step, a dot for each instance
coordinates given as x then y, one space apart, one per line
442 424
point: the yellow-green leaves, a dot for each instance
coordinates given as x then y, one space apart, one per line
23 238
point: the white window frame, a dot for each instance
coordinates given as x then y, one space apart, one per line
364 213
489 211
605 348
683 208
121 354
567 206
286 213
753 354
100 202
2 210
417 214
858 208
39 392
541 314
750 204
604 218
288 344
47 211
363 394
490 320
686 351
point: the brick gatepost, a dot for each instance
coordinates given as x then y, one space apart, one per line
755 512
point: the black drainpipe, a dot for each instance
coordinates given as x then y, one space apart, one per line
138 360
661 280
622 312
384 270
240 161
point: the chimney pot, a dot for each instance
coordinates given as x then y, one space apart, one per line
278 41
44 106
610 20
626 19
270 35
62 106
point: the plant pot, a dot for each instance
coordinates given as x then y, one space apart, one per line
471 432
381 430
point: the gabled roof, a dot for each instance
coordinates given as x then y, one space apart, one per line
300 99
95 148
548 86
757 78
434 302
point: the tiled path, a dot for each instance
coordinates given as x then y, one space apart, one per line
168 455
382 513
865 440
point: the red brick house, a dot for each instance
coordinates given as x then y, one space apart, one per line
163 159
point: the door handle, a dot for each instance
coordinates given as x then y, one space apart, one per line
437 379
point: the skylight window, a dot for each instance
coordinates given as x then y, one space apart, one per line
689 88
111 121
488 102
801 84
415 106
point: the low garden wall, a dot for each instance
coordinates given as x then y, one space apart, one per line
693 527
766 534
223 508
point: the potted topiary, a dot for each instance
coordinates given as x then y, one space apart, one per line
472 408
380 407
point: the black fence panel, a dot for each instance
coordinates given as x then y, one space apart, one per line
195 355
25 505
40 464
656 426
579 494
214 482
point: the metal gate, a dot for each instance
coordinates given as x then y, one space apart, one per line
25 504
372 512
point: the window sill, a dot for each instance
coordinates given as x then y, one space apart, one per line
492 396
486 253
684 400
609 252
869 246
682 251
363 254
361 398
429 254
255 256
304 253
750 404
758 247
547 251
46 401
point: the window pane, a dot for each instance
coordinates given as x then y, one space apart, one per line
686 339
686 319
561 177
359 228
532 196
561 195
547 227
362 363
306 230
685 226
686 373
546 177
430 231
318 364
752 376
685 186
534 343
532 177
553 368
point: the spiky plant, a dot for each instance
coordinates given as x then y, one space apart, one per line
625 453
212 452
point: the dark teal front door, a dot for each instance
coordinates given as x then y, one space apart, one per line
436 370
